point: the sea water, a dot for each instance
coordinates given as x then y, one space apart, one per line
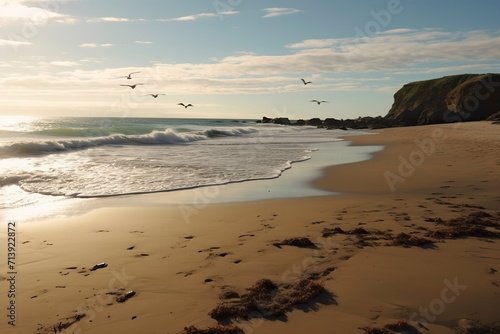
48 159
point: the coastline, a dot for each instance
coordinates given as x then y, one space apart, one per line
179 259
294 182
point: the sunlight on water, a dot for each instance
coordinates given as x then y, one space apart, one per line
17 123
25 207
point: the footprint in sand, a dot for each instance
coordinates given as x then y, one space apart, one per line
186 273
246 235
213 256
208 249
318 222
213 279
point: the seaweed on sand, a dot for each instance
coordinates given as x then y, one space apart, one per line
296 242
406 240
269 300
401 326
218 329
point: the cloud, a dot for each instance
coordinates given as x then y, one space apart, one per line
94 45
17 11
64 63
274 11
198 16
110 19
312 44
334 64
143 42
5 42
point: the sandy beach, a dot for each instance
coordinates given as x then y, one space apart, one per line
412 242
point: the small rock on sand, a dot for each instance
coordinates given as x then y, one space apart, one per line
99 266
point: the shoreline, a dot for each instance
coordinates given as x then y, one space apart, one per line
296 181
179 262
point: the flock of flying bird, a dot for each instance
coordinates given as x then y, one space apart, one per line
129 76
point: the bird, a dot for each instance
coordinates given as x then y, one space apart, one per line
319 102
154 95
185 105
133 86
305 82
130 75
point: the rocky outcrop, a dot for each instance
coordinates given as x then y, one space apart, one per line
332 123
277 120
314 122
457 98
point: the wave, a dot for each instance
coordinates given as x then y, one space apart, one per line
213 133
166 137
93 132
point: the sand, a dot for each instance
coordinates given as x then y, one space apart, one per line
178 260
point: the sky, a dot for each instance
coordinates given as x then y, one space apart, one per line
236 59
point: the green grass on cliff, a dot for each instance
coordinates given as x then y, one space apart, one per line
414 91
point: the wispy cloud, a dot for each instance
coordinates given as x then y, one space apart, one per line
15 11
6 42
143 42
275 11
198 16
64 63
313 44
113 19
337 64
94 45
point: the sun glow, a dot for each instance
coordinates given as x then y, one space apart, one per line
16 123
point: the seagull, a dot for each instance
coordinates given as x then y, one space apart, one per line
154 95
185 105
133 86
305 82
130 75
319 102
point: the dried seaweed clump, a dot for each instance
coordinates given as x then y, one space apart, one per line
61 326
219 329
296 242
474 224
406 240
401 326
266 299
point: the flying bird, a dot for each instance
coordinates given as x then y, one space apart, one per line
185 105
130 75
319 102
133 86
154 95
305 82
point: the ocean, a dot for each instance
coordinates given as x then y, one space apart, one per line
44 159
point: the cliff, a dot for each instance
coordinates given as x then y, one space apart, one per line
457 98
